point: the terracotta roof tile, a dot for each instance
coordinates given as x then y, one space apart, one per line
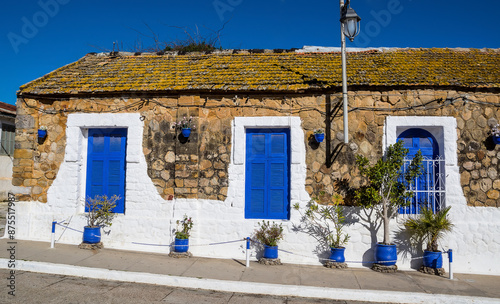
7 108
271 71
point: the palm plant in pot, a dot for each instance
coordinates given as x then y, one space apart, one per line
385 189
99 214
269 235
327 222
429 227
182 233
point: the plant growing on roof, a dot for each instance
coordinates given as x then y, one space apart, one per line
429 227
184 227
100 210
385 183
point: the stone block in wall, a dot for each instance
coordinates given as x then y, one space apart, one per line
26 122
23 154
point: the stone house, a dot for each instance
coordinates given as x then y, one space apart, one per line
251 154
7 134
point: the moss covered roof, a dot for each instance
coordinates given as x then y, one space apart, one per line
288 71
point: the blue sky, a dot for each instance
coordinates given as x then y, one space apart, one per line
39 36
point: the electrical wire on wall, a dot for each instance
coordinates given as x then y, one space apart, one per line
239 103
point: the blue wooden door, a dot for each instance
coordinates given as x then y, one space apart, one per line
415 140
267 174
106 164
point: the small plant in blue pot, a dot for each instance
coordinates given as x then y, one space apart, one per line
495 134
182 233
319 135
42 132
99 214
269 235
384 189
430 227
185 125
326 223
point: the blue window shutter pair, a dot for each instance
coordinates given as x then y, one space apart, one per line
106 164
267 173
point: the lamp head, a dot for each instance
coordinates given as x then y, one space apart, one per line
351 23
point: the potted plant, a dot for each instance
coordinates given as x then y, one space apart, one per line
42 132
184 227
269 235
495 133
185 125
319 135
99 213
327 222
430 227
385 189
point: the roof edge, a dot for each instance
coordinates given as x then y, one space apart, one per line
39 79
305 49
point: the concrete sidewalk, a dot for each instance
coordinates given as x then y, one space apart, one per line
357 284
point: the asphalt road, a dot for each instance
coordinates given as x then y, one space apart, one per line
35 288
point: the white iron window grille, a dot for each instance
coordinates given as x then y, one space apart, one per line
428 188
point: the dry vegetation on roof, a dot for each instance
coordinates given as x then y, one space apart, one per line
285 71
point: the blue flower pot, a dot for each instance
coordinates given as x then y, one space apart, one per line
42 133
319 137
386 254
270 252
433 259
181 245
337 254
496 140
186 132
91 235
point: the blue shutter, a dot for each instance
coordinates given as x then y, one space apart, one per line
106 164
267 174
421 140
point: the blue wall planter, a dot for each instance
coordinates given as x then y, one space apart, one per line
42 134
337 254
386 254
270 252
433 259
496 140
91 235
181 245
186 132
319 137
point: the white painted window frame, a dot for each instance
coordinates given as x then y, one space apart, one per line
77 142
297 154
444 129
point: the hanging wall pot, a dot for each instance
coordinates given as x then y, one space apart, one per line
186 132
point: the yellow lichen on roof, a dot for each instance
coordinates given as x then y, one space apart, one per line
271 71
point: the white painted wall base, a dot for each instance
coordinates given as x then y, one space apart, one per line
150 219
5 176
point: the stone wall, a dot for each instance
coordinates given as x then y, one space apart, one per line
198 167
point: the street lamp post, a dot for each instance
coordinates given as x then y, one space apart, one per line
349 26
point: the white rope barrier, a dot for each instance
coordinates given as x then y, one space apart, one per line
248 240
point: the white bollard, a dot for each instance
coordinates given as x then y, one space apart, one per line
248 252
450 259
53 240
